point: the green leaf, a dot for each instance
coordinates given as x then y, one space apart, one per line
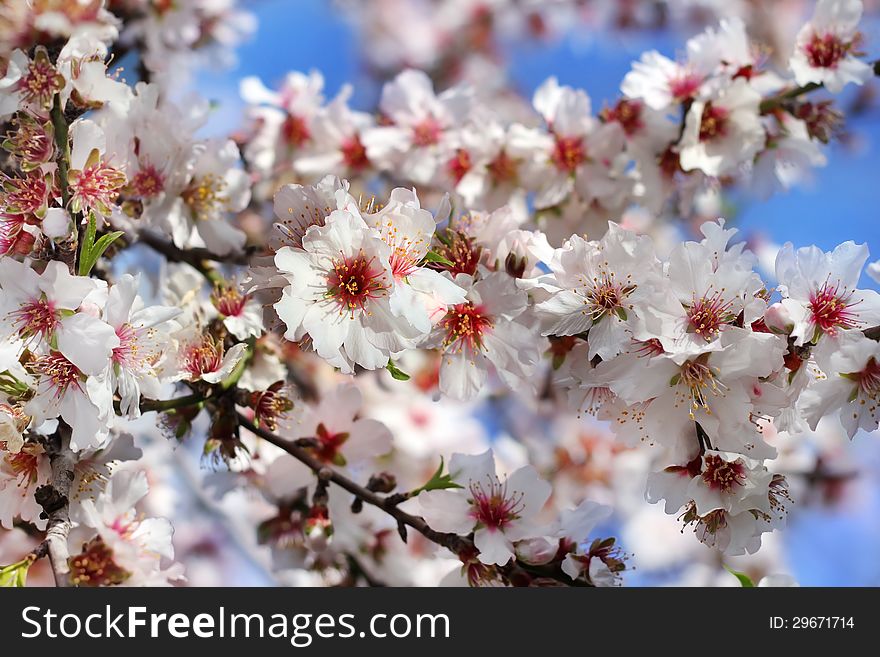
91 250
744 580
438 481
85 248
15 575
396 373
433 256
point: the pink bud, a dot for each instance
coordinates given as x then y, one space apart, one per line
536 551
778 319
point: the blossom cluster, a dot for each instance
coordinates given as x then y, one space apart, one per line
324 303
682 130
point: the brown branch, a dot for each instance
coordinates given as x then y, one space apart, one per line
453 542
515 572
199 258
54 497
772 103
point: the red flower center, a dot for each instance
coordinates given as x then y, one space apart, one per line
461 251
354 281
36 317
329 445
825 51
492 505
723 475
228 301
503 168
831 309
60 372
466 326
354 154
25 195
42 81
427 132
95 187
459 165
147 183
605 295
202 357
568 153
685 85
628 113
295 131
713 123
707 315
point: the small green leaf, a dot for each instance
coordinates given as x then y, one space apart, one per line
438 481
396 373
88 259
744 580
15 575
88 243
433 256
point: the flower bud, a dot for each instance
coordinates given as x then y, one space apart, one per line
778 319
536 551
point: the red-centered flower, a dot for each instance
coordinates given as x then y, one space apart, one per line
26 195
228 301
493 506
685 85
330 445
202 357
41 82
354 281
825 50
713 122
31 141
831 309
270 405
36 317
722 475
146 184
461 250
427 132
466 326
628 113
96 187
354 154
295 131
460 164
568 153
503 169
60 373
708 314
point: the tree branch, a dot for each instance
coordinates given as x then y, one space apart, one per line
198 258
55 500
68 248
516 571
776 101
453 542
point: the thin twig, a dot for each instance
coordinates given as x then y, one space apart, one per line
197 258
453 542
772 103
